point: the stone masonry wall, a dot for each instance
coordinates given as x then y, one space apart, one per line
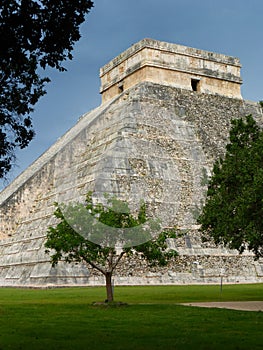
152 142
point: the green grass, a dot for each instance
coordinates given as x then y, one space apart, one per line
65 319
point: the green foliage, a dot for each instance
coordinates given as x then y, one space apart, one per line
261 103
97 234
155 251
34 35
233 211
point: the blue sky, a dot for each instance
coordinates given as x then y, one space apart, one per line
232 27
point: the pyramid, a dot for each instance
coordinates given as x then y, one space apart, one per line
164 119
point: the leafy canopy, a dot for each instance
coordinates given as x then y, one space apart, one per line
34 34
233 211
75 240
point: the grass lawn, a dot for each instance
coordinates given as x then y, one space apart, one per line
65 319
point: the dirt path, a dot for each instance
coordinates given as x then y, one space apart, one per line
236 305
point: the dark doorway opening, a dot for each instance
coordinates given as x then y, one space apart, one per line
120 87
195 83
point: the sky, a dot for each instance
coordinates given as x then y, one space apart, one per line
231 27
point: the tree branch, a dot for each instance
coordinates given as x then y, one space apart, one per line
95 266
117 261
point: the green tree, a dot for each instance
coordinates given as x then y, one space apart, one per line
33 35
102 235
233 211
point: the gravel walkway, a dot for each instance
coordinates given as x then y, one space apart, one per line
236 305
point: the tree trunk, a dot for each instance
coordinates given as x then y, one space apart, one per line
108 276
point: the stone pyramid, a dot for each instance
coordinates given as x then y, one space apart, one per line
164 119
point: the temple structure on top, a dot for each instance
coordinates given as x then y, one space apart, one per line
172 65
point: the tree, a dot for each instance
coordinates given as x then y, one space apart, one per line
34 34
233 211
102 235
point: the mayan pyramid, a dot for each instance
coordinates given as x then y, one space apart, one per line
164 118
